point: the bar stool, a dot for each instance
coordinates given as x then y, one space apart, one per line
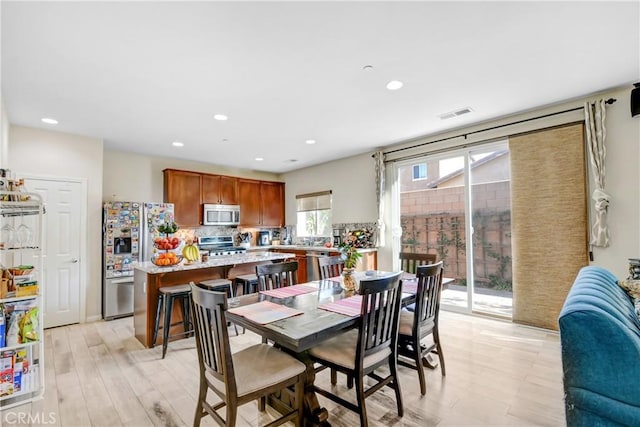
166 297
249 283
220 285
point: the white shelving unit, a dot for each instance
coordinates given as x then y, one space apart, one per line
21 357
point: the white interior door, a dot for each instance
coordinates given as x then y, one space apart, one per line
60 249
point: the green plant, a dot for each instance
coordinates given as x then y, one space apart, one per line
349 252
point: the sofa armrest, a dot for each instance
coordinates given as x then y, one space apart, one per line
584 407
600 353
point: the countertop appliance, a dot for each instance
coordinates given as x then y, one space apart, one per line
221 214
264 238
128 230
219 245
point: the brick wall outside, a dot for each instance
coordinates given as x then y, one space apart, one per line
433 221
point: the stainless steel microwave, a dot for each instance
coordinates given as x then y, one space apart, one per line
221 215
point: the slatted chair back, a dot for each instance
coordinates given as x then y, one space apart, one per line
330 266
409 262
380 314
212 338
274 276
428 297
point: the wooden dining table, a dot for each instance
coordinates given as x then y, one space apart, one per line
298 333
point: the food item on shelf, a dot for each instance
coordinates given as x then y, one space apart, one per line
13 331
191 252
166 259
21 270
3 328
29 326
6 372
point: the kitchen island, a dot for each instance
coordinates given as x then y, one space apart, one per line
148 278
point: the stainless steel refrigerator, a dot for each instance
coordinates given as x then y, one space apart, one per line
128 230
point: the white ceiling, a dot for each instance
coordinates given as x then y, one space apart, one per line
143 74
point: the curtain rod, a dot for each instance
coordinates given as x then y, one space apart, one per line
465 135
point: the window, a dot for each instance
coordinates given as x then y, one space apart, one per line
314 214
419 171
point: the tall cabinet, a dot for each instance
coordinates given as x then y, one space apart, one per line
261 203
21 299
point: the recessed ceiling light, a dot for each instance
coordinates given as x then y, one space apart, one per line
259 159
310 141
225 140
394 85
368 68
177 144
220 117
49 121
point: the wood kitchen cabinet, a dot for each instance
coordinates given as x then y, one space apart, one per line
301 258
261 203
219 189
184 190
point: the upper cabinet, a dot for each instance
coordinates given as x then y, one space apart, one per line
184 190
261 203
219 189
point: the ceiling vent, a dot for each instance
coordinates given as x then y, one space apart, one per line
453 114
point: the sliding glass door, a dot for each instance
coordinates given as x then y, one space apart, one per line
457 205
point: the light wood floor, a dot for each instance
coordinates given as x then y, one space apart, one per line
498 374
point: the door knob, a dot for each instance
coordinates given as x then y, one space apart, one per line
74 260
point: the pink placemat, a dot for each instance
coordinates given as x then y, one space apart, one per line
347 306
289 291
264 312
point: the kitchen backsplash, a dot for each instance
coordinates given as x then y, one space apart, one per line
366 238
366 233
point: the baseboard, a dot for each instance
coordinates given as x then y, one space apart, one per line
93 319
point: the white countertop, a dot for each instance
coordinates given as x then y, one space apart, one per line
217 261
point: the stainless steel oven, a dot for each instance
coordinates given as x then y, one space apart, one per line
221 215
219 245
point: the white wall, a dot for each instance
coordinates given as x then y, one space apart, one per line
46 153
352 181
4 136
135 177
622 183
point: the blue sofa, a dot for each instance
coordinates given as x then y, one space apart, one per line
600 338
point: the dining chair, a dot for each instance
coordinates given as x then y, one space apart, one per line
330 266
410 261
249 374
418 324
372 344
277 275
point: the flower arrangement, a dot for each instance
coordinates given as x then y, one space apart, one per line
349 250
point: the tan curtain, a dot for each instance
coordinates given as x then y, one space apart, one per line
378 157
549 220
596 134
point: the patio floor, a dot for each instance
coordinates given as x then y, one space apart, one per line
498 303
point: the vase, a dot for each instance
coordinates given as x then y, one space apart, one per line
349 282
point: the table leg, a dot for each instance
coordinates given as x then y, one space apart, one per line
314 415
